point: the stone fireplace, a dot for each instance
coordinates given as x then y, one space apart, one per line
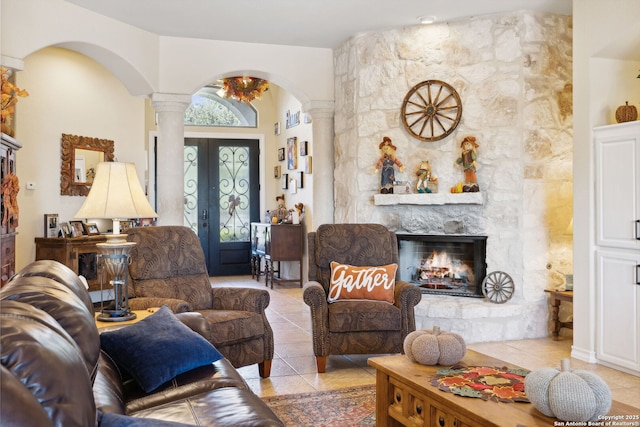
443 264
513 73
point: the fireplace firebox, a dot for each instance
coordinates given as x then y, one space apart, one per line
443 264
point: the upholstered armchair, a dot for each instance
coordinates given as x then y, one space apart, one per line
356 326
168 267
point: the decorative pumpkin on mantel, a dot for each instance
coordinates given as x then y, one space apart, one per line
568 395
434 347
626 113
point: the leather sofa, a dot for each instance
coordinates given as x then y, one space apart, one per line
54 373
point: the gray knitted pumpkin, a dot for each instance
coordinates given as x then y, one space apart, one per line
434 347
568 395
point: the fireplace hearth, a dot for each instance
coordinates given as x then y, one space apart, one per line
443 264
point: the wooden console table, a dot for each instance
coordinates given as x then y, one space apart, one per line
405 397
556 298
275 243
78 253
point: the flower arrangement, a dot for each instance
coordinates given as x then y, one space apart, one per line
244 89
10 94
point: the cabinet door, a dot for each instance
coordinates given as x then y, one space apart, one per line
618 305
617 154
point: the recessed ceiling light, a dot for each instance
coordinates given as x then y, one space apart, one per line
428 19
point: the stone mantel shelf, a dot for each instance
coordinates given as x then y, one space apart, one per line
429 199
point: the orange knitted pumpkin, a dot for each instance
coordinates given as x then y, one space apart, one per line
434 347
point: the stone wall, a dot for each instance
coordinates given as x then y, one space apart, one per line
513 73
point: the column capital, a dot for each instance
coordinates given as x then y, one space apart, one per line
170 102
320 109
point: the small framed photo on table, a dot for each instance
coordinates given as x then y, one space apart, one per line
125 225
146 222
91 229
51 225
77 229
66 229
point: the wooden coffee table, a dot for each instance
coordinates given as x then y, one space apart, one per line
405 397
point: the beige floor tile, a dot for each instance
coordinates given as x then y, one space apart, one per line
340 378
294 349
274 386
287 332
302 364
279 368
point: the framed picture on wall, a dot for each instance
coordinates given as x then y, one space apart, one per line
308 166
284 181
276 128
277 171
292 151
300 179
304 147
281 154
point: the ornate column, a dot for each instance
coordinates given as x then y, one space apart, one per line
321 113
169 167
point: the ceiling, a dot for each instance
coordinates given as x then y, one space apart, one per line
309 23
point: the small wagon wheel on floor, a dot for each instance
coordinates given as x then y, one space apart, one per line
498 287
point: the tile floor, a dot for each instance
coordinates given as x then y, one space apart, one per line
294 369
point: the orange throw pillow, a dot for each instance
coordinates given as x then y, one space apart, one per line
349 282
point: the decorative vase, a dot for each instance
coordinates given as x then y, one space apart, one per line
626 113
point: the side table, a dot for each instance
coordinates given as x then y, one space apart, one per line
556 298
140 314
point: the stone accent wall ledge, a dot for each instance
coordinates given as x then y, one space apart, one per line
429 199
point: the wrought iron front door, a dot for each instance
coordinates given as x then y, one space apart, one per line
222 198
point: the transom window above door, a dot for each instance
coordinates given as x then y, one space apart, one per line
210 109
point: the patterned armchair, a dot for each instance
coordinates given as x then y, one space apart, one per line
168 267
356 326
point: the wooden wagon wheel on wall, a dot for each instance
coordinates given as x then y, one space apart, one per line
431 110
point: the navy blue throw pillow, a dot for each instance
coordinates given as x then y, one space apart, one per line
156 349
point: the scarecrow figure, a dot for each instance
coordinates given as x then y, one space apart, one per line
468 162
387 162
427 181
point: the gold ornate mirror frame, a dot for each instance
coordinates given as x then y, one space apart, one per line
76 179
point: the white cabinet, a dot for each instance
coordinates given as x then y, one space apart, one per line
617 154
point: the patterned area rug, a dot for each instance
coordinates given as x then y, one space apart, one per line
498 384
353 406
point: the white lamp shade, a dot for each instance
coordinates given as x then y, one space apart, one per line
116 193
